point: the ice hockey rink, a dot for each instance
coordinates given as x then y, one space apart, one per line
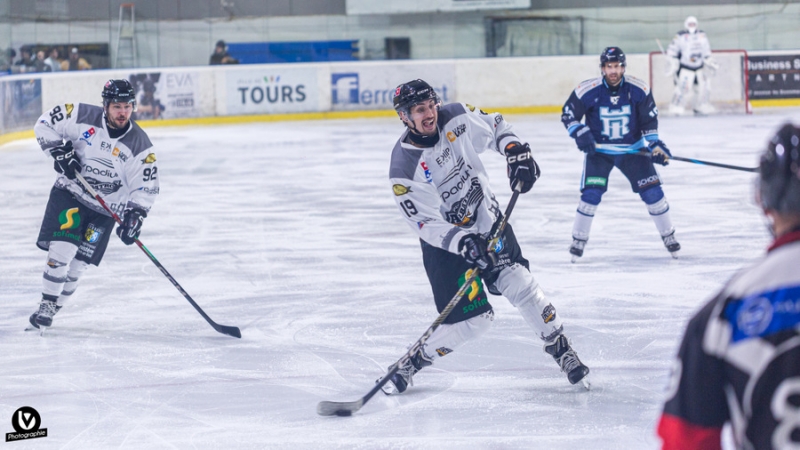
290 232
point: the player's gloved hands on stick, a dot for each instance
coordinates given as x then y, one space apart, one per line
522 168
66 162
659 153
583 137
132 220
474 249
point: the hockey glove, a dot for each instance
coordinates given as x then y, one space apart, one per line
474 249
132 221
583 137
659 153
522 168
66 162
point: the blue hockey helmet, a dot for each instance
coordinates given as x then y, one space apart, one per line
779 172
612 54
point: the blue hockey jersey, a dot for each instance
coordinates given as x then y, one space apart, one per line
624 115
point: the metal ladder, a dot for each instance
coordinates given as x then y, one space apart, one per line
125 52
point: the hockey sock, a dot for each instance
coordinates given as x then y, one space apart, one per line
55 273
449 337
583 220
76 269
659 211
519 287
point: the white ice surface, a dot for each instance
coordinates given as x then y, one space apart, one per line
289 231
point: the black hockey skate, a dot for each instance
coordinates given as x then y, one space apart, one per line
672 244
567 360
576 249
44 316
401 380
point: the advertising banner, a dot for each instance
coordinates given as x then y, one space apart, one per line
165 95
417 6
269 90
21 101
774 76
361 86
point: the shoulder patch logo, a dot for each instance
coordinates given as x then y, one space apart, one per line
69 107
151 158
399 189
470 107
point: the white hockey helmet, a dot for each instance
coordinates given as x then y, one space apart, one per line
690 24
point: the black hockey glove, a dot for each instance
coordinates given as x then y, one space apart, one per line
66 162
659 153
132 221
522 168
583 137
474 249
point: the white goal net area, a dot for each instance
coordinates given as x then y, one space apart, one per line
728 83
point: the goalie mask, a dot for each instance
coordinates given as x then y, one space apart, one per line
690 24
778 187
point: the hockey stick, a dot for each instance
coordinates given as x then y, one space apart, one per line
326 408
635 149
230 331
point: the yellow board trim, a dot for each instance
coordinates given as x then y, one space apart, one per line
777 102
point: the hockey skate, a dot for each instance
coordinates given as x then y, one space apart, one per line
568 361
705 109
576 249
43 318
404 377
672 244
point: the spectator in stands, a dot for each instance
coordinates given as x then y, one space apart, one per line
25 62
40 64
53 61
7 59
221 56
148 107
75 62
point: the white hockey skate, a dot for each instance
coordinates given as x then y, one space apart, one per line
672 244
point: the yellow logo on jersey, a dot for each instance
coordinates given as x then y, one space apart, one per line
69 107
151 158
471 108
451 136
399 189
115 152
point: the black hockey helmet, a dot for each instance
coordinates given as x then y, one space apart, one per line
411 93
779 172
612 54
118 91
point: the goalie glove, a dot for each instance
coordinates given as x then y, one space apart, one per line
659 152
132 220
522 168
672 71
712 65
66 162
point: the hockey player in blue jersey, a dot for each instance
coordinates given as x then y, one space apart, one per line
621 121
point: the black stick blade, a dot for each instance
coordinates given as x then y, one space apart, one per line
230 331
343 409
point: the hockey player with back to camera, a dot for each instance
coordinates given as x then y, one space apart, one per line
115 157
443 193
739 361
619 110
691 65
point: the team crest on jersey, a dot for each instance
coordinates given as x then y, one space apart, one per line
399 189
69 107
615 100
92 234
549 313
615 121
150 159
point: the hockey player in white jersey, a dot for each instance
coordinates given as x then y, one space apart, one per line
116 158
442 190
691 65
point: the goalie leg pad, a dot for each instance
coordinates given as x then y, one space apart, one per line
683 91
521 289
59 255
449 337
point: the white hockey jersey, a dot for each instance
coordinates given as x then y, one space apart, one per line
691 49
443 191
123 170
